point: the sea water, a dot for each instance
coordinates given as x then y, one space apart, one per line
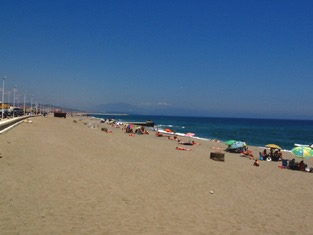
257 132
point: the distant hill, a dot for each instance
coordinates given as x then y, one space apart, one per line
115 108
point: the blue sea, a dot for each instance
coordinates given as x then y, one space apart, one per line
257 132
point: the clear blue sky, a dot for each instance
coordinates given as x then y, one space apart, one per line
212 58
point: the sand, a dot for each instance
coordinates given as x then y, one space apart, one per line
61 177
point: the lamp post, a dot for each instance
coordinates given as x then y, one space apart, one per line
18 100
31 105
9 93
2 105
37 107
24 104
14 90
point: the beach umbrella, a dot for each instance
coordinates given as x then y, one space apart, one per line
302 152
230 142
168 130
189 134
237 144
272 146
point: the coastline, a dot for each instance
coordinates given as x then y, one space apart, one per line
161 128
72 178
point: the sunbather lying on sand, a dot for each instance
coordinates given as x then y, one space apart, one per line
158 134
182 148
247 153
188 143
172 137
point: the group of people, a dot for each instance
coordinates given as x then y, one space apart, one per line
298 166
273 155
139 130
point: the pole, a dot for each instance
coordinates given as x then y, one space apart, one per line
24 104
9 93
31 105
2 105
13 100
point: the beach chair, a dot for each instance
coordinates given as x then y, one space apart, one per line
284 163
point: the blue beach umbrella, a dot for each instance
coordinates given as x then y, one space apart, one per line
238 144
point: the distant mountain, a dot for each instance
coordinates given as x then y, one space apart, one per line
115 108
125 108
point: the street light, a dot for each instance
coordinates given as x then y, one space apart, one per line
37 107
14 90
24 104
2 105
31 105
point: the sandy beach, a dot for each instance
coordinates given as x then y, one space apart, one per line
61 177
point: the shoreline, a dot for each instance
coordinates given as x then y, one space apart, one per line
197 137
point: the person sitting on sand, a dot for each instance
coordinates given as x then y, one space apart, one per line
141 131
256 163
301 166
264 154
279 154
129 129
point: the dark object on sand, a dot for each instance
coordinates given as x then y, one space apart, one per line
146 123
217 156
104 129
75 121
60 114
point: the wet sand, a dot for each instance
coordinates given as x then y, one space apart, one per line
61 177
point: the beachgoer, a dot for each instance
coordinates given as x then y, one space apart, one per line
194 143
248 153
256 163
188 143
172 137
158 134
280 154
264 154
181 148
129 129
302 166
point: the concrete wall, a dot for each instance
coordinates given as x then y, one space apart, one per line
5 125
